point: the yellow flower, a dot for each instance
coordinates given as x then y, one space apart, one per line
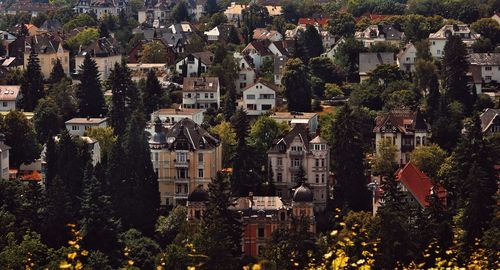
79 265
72 242
191 268
333 233
328 255
64 265
72 255
85 253
130 262
360 261
256 267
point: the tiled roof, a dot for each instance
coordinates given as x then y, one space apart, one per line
286 47
419 184
200 84
455 29
206 58
313 21
261 46
186 131
9 92
484 59
299 130
263 33
376 31
103 47
45 43
271 86
403 119
487 118
183 111
369 61
83 121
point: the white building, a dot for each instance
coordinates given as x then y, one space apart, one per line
407 57
194 64
93 148
173 116
104 52
279 68
4 158
9 95
100 8
259 98
78 126
438 40
264 33
294 118
381 33
297 151
246 71
403 128
484 68
258 50
201 93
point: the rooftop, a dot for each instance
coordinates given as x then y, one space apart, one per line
9 92
182 111
87 121
419 184
200 84
293 115
484 59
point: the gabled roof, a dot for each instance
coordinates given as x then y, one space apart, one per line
419 184
388 32
9 92
313 21
299 130
269 85
206 58
488 117
200 84
484 59
103 47
455 29
286 47
263 33
404 120
369 61
261 46
44 43
51 25
187 131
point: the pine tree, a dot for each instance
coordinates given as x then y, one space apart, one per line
297 86
98 226
32 83
152 94
103 30
118 114
57 73
116 180
220 236
91 99
47 119
312 42
50 161
347 157
57 213
211 7
230 103
242 181
432 99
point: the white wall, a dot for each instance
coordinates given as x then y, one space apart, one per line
257 91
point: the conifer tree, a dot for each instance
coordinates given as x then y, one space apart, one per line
90 97
103 30
57 214
47 119
297 86
57 73
98 226
118 114
21 137
116 181
230 103
152 94
312 42
220 236
242 181
32 83
211 7
50 161
432 99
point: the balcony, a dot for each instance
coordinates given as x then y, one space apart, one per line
294 153
181 163
294 169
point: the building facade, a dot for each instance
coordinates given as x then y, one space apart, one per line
4 158
438 40
201 93
259 98
78 126
49 49
9 95
104 52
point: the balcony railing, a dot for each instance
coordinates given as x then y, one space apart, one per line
296 153
181 163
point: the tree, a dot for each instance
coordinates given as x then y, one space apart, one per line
347 56
91 99
220 235
98 226
3 51
385 164
487 28
255 16
119 111
455 68
416 27
226 134
347 161
81 20
311 42
103 30
326 70
63 95
57 213
211 7
47 119
230 103
168 227
241 179
341 24
32 82
154 52
18 253
429 159
152 94
297 86
141 249
105 137
180 12
57 73
21 137
83 38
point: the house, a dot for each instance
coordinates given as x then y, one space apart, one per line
259 98
327 38
172 116
246 71
6 39
234 12
332 51
100 8
311 120
279 68
490 121
4 158
78 126
184 157
416 186
484 67
195 64
371 60
49 48
32 29
496 17
282 48
32 8
318 22
260 216
159 12
93 148
258 50
381 33
263 33
105 52
135 54
9 95
196 9
438 39
405 129
201 93
297 155
407 57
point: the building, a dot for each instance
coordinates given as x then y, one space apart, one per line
331 52
49 48
195 64
407 57
490 121
184 157
294 118
318 22
297 155
258 50
484 68
78 126
259 98
9 95
496 17
33 8
438 40
235 11
105 52
279 68
381 33
263 33
406 130
327 38
260 216
172 116
136 53
4 159
101 8
93 148
201 93
246 71
368 62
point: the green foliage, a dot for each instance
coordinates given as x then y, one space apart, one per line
140 249
455 67
21 137
63 95
90 97
47 119
153 96
326 70
297 86
341 24
81 20
83 39
429 159
105 137
385 162
226 134
332 90
28 253
57 73
154 52
180 12
32 83
168 228
347 56
487 28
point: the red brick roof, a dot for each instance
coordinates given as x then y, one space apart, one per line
419 184
314 21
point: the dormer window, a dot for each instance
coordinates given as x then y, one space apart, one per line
297 148
318 147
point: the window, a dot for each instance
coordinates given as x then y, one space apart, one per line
322 178
182 173
212 95
433 43
417 141
487 68
487 78
322 162
156 156
296 148
200 173
260 232
279 177
242 65
181 156
206 95
317 178
252 107
200 157
280 161
438 52
296 162
75 128
243 85
250 96
4 104
197 214
317 162
408 141
266 107
179 189
407 59
282 216
188 95
423 140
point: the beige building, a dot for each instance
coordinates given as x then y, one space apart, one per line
4 158
104 52
49 49
295 154
184 157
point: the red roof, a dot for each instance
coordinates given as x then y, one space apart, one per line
313 21
419 184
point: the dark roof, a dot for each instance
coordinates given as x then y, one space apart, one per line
270 85
103 3
487 118
187 135
51 26
158 138
44 43
206 58
261 46
103 47
303 194
286 47
484 59
199 194
403 120
200 84
299 130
